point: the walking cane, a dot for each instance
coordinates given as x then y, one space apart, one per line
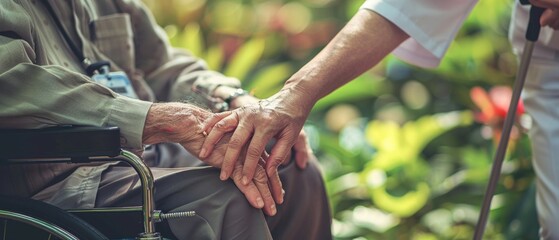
532 33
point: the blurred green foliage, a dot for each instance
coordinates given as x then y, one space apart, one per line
402 155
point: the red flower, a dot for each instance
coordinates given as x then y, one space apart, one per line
494 105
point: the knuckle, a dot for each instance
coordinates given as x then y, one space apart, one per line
235 143
236 176
221 125
267 118
227 165
260 177
244 130
254 151
276 161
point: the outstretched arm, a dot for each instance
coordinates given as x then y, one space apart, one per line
361 44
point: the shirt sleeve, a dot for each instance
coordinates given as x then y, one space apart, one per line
172 73
431 25
34 96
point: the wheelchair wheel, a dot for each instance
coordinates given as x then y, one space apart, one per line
31 219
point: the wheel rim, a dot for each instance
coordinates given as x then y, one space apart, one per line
38 223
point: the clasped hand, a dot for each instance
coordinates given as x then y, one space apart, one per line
253 126
181 123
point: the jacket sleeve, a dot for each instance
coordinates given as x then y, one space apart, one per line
172 73
34 96
431 25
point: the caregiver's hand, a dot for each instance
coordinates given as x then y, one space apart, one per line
181 123
550 16
280 117
302 150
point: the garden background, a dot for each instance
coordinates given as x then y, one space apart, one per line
406 152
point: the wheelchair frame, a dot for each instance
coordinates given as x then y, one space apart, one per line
82 145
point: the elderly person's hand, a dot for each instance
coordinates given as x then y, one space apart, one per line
181 123
256 124
302 149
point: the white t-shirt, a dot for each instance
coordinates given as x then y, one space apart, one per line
433 24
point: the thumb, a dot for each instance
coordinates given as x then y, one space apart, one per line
546 17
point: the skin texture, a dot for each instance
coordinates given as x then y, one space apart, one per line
360 45
302 149
182 123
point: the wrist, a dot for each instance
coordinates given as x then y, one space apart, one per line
290 101
173 122
295 91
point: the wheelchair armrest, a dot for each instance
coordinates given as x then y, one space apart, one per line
59 142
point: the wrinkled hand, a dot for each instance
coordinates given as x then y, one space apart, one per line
256 124
181 123
303 151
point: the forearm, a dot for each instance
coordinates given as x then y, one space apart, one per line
360 45
34 96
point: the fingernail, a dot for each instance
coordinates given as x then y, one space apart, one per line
259 202
203 153
223 176
282 196
244 180
273 209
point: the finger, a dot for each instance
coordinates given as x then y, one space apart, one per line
234 147
209 123
261 182
546 17
254 151
278 154
220 128
555 22
276 186
274 181
302 158
250 191
302 150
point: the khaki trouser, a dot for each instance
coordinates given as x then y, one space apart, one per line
183 184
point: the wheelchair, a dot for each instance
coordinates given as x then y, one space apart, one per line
32 219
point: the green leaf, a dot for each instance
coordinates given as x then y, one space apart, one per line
191 38
353 6
245 58
214 58
403 206
269 79
363 87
